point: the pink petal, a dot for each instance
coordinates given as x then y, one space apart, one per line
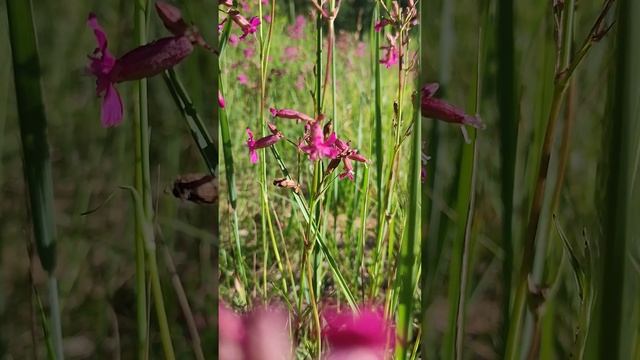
112 108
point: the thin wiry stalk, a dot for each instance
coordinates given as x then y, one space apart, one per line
35 149
425 266
143 182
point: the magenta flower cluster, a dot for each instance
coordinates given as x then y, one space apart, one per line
264 334
318 142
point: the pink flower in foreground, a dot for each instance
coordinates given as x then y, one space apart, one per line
363 335
262 334
317 145
248 26
442 110
291 114
261 143
144 61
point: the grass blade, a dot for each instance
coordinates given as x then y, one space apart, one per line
35 148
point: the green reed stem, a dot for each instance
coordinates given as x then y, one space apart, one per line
465 205
35 149
197 128
619 213
143 187
508 121
407 277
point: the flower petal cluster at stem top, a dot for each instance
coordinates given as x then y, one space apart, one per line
142 62
318 142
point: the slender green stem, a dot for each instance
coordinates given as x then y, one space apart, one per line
143 186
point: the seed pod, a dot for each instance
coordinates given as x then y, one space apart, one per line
197 188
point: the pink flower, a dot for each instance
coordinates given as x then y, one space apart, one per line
291 114
345 154
382 23
242 79
261 143
391 56
228 3
267 19
317 145
296 31
262 334
442 110
141 62
220 100
248 52
300 83
361 49
363 335
248 26
234 40
290 53
172 19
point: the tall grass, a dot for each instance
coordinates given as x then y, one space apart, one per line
35 150
618 240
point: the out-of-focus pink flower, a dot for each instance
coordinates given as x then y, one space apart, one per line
141 62
319 146
248 52
361 49
267 335
290 53
391 56
242 79
296 30
220 100
234 40
382 23
248 26
300 83
363 335
261 143
442 110
267 19
291 114
228 3
262 334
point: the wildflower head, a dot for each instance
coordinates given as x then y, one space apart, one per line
262 143
382 23
357 335
439 109
319 146
296 31
101 63
248 27
290 114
